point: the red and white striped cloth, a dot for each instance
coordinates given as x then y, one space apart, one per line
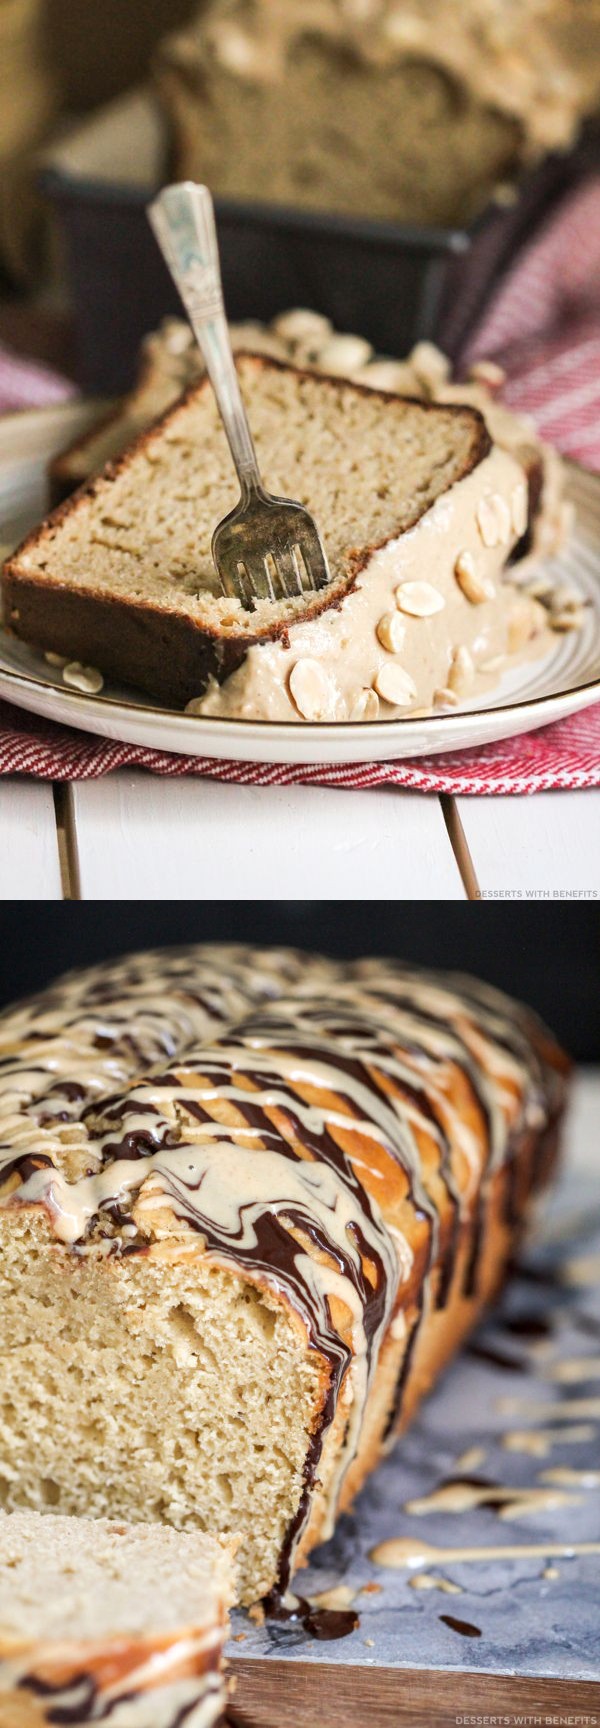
564 756
544 326
28 384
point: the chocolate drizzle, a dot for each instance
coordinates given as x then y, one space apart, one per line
322 1623
496 1358
75 1702
82 1698
25 1164
527 1326
464 1627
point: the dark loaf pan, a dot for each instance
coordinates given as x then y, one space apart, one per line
392 283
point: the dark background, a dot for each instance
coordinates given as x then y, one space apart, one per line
548 955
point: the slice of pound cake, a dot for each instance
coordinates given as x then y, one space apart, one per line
170 360
104 1621
419 512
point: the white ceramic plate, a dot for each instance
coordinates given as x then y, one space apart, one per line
566 680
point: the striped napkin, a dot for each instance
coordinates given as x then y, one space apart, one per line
544 328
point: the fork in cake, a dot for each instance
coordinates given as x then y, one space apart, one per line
266 548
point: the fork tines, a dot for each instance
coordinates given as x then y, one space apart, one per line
290 568
286 574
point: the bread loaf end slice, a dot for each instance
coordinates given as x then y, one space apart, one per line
99 1618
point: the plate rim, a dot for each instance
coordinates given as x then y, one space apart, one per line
308 728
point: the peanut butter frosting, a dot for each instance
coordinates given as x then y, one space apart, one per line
433 619
285 1115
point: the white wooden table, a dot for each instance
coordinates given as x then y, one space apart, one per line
133 836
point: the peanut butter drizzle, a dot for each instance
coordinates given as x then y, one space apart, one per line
564 1476
273 1101
583 1269
472 1459
426 1581
574 1368
538 1442
552 1412
408 1551
512 1503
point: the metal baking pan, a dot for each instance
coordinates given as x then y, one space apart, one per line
393 283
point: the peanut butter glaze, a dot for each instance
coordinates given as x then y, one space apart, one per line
300 1117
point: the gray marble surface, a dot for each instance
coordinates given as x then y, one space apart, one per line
529 1624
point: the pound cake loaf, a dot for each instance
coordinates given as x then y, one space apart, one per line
107 1622
419 513
403 110
250 1203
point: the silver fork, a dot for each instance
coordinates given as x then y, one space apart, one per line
267 548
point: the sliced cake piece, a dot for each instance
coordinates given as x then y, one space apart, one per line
100 1620
408 497
170 361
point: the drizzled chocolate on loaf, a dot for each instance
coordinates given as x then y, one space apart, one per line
333 1132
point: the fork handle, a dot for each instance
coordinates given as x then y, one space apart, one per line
183 220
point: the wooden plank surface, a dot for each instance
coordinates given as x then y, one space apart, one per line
137 837
293 1695
143 837
29 858
544 846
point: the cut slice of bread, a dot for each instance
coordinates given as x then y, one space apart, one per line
121 575
105 1619
170 361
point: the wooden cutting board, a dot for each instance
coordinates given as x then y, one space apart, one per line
296 1695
